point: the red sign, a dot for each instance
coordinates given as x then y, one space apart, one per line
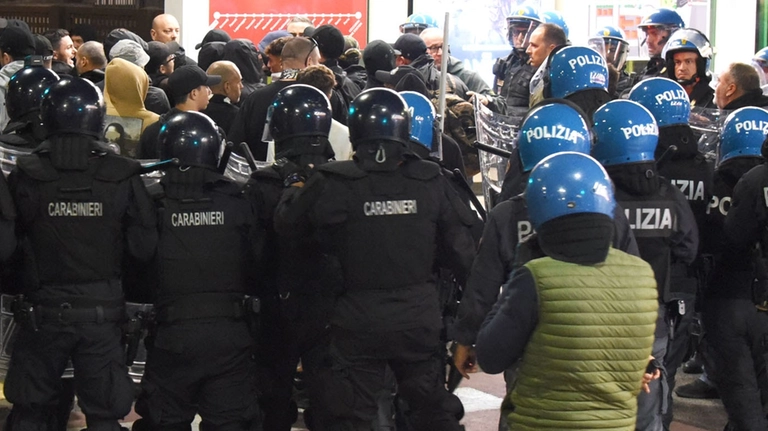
253 19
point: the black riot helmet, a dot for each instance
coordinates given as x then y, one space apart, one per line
191 137
299 110
378 114
25 90
73 105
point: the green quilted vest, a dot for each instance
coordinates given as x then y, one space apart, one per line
583 366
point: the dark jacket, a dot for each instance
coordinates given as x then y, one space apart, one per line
95 75
248 125
750 98
470 78
221 111
426 66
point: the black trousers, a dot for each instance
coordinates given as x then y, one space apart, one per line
357 378
295 329
200 366
33 384
678 350
738 335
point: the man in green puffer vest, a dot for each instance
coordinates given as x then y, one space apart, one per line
580 320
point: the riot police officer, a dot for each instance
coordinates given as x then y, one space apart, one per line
575 73
583 297
687 54
381 215
658 28
513 74
626 138
418 22
200 350
679 161
508 225
734 309
298 278
616 52
25 92
78 205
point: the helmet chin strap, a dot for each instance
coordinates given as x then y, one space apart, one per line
690 81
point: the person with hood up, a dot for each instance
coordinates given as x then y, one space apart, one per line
125 89
246 57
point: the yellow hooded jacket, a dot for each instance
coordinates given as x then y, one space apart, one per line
125 88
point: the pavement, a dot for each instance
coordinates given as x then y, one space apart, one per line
482 395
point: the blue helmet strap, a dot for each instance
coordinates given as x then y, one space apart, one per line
583 238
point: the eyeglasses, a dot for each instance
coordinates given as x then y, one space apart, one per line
435 48
311 50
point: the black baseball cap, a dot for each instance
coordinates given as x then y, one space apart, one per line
215 35
158 55
17 42
378 55
410 46
186 78
396 75
329 40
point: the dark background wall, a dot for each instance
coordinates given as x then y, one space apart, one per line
104 15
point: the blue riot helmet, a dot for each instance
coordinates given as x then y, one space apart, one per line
25 90
418 22
568 183
616 46
299 110
761 58
555 17
520 24
422 118
73 105
743 134
193 138
665 98
662 19
378 114
688 40
573 69
549 129
625 132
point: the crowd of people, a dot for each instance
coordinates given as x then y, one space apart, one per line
618 250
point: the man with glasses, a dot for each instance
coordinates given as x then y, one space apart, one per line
433 38
248 126
160 65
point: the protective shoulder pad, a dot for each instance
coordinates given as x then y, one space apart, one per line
423 170
16 141
226 186
36 168
114 168
266 173
346 168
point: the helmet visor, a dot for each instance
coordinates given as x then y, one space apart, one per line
519 32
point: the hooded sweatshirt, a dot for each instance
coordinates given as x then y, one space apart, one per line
243 53
125 89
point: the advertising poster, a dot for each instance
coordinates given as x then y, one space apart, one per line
254 19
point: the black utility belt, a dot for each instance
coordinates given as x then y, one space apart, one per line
66 315
231 308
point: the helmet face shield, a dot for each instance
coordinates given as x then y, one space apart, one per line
519 32
616 52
